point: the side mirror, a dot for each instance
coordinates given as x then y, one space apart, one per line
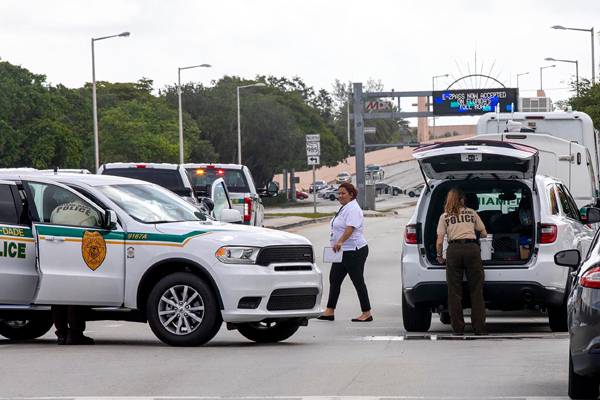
272 189
208 204
110 219
229 215
568 258
592 214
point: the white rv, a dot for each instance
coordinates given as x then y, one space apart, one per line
559 158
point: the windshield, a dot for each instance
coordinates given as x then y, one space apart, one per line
151 203
234 179
167 178
373 168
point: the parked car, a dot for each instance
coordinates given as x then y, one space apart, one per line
375 172
583 310
323 192
245 196
170 176
331 194
415 191
520 273
319 185
385 188
300 195
140 253
343 177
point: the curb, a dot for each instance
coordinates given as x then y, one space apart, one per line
389 213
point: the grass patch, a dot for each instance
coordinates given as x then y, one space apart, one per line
305 215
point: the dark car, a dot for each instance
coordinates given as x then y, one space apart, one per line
374 172
385 188
583 315
319 185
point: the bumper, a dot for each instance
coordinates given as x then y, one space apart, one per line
497 295
253 293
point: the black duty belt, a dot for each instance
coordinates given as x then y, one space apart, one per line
463 241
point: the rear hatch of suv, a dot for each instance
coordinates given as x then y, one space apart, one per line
498 181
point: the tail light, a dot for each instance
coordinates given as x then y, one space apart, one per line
247 209
410 234
548 233
591 279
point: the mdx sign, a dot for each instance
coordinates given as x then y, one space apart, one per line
474 101
378 105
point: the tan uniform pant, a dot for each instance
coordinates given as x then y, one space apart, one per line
465 257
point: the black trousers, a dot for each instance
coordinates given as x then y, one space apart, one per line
353 264
69 320
465 258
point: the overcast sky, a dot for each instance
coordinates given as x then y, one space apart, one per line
403 43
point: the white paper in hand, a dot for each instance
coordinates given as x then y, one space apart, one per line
329 256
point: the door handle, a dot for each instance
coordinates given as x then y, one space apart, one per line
55 238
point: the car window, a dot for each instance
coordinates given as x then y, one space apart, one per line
8 210
234 179
553 202
167 178
220 200
593 246
564 202
151 203
573 204
56 205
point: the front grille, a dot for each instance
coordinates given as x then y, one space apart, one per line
284 254
294 268
293 299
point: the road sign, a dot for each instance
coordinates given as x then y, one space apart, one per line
314 160
474 101
378 105
313 138
313 149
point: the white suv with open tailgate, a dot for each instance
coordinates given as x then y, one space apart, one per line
528 217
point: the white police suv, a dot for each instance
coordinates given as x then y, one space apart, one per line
134 251
528 218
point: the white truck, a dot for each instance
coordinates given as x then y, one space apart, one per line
143 254
582 156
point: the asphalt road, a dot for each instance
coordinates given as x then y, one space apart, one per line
521 358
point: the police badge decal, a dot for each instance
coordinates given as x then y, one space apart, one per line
93 249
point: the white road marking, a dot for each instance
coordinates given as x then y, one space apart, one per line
287 398
113 326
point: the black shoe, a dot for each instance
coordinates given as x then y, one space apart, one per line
326 317
458 334
61 341
80 340
369 319
482 333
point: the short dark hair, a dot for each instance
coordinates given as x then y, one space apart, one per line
352 190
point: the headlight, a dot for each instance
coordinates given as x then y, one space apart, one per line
237 255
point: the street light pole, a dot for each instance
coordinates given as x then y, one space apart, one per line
518 75
94 101
433 90
180 110
576 62
541 68
593 57
238 119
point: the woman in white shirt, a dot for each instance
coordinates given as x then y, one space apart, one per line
347 236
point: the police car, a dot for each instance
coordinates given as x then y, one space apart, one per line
134 251
245 196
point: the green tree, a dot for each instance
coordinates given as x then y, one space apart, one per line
588 100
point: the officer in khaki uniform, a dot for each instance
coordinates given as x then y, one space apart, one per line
460 223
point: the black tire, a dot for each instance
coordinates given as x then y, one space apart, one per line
411 194
557 316
332 197
396 192
269 332
416 319
177 327
445 317
581 387
26 329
